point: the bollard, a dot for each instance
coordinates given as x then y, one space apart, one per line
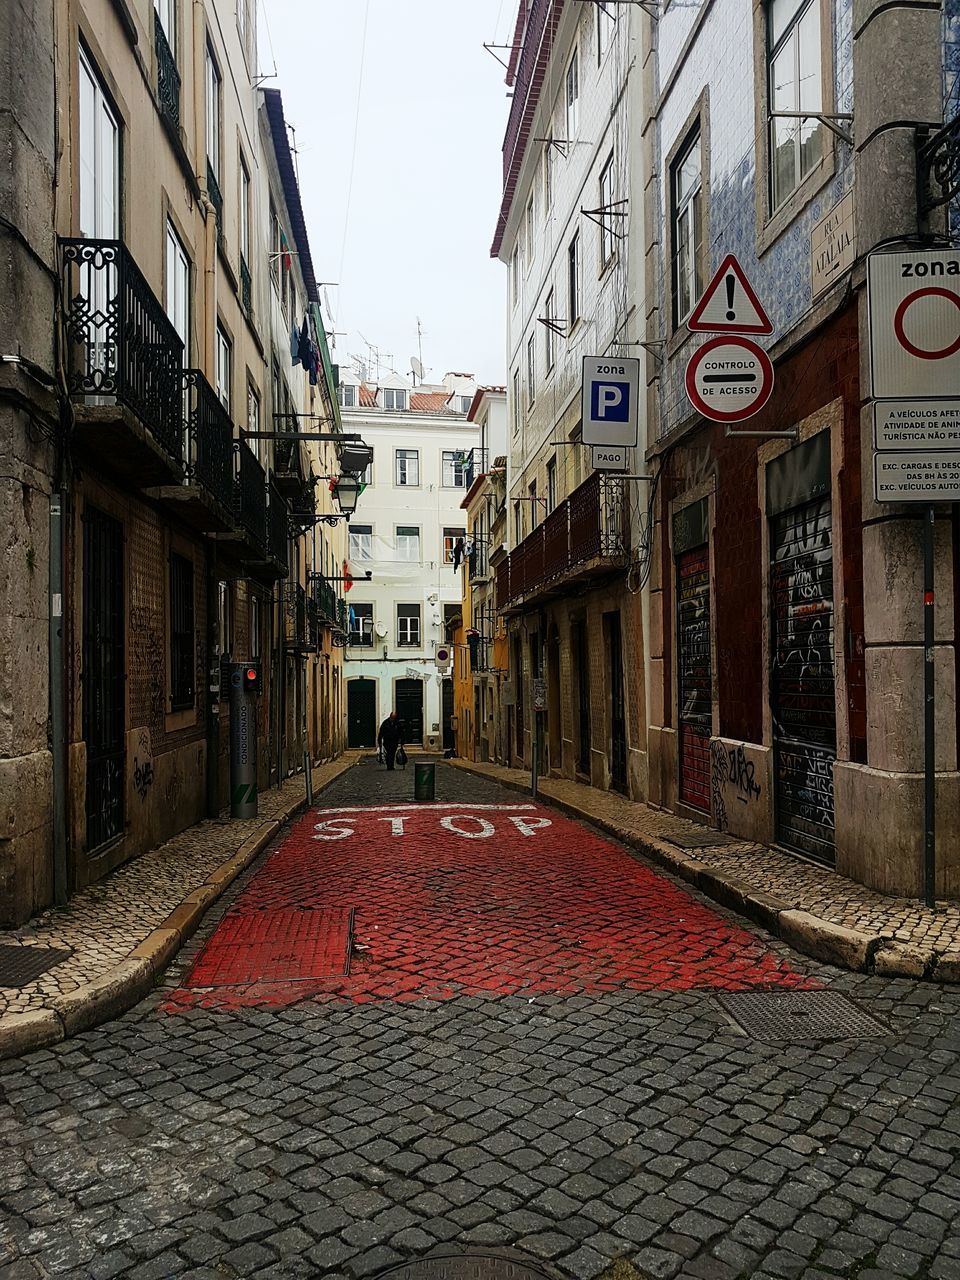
244 686
424 781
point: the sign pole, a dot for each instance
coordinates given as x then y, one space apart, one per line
929 763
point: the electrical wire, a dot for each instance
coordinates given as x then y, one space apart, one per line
356 133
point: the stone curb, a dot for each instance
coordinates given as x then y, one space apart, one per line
135 976
822 939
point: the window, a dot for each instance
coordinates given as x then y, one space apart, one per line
224 619
253 420
276 249
548 174
408 543
794 84
361 624
450 537
167 13
408 467
366 477
408 625
465 403
531 369
530 230
213 114
534 504
454 469
606 22
573 281
244 209
177 289
394 398
255 624
361 541
608 240
517 522
243 22
182 667
572 95
515 274
99 163
549 335
450 612
347 395
516 401
224 361
686 201
551 484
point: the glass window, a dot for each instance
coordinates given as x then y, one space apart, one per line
347 395
465 403
450 537
517 522
225 619
253 421
361 541
534 505
177 288
530 226
244 210
255 624
182 667
516 401
408 467
99 164
548 174
454 469
551 484
572 95
213 114
686 199
573 281
276 249
408 543
531 369
515 274
794 74
223 368
408 625
394 398
549 335
608 240
360 623
167 13
606 22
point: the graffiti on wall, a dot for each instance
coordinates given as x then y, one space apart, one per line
732 768
143 765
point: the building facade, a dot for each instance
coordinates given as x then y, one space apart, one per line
158 539
406 539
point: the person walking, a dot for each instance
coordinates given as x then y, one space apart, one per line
389 738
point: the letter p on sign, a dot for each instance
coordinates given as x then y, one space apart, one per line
611 401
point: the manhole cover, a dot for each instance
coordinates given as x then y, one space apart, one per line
281 945
20 965
700 839
468 1266
799 1015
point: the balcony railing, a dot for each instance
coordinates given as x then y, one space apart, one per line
326 599
278 532
588 527
209 439
121 344
295 618
216 199
168 76
477 464
246 286
250 495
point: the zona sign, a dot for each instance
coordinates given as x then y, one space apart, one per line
729 379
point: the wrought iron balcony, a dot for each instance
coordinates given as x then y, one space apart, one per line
168 76
122 349
250 497
585 536
326 600
290 479
209 440
478 463
216 199
278 528
246 286
295 618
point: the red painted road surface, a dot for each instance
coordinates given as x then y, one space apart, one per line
466 899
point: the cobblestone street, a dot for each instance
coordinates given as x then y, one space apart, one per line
528 1052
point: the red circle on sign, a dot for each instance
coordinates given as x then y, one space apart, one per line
901 311
745 411
251 673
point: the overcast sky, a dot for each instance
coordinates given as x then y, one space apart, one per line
426 185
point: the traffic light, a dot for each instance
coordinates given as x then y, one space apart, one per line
252 676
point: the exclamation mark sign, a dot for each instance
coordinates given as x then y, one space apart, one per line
730 281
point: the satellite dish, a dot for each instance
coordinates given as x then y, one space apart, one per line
417 367
380 629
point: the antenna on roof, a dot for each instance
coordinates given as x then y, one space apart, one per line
416 368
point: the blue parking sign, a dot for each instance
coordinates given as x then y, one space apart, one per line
610 402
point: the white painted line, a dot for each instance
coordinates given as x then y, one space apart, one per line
413 808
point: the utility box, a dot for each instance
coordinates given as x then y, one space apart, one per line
246 683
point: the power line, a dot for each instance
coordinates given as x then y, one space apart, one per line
356 133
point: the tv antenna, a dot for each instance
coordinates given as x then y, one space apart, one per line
416 368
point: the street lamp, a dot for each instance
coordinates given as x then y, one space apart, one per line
347 491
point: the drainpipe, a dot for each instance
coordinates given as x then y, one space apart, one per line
57 696
213 683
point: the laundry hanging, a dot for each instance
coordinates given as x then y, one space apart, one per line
457 554
303 346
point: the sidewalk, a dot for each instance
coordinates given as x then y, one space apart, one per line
119 934
811 908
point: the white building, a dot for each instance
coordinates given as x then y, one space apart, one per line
405 534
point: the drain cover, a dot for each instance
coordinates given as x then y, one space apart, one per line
799 1015
468 1266
280 945
20 965
700 839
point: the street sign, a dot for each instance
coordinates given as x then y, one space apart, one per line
539 694
729 303
729 379
914 307
916 424
610 401
603 458
917 477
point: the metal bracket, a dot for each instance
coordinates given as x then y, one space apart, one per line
604 211
554 324
938 166
825 118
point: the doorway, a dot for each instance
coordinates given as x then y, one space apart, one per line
694 677
554 713
103 677
618 720
581 661
446 714
409 706
361 713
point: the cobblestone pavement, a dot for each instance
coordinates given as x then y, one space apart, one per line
804 885
336 1136
103 923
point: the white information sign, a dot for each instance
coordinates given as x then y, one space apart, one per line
917 477
610 401
914 305
917 424
603 458
833 244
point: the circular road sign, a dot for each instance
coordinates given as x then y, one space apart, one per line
900 328
729 378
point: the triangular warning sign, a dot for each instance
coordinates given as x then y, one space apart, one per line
729 304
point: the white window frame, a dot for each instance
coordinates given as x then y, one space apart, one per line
408 544
397 397
99 155
214 89
244 209
549 337
465 403
167 13
364 634
574 281
360 541
515 274
453 463
548 175
409 627
529 229
608 241
253 419
686 215
403 460
787 42
517 406
347 395
606 26
571 95
176 287
531 369
551 485
450 536
224 366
